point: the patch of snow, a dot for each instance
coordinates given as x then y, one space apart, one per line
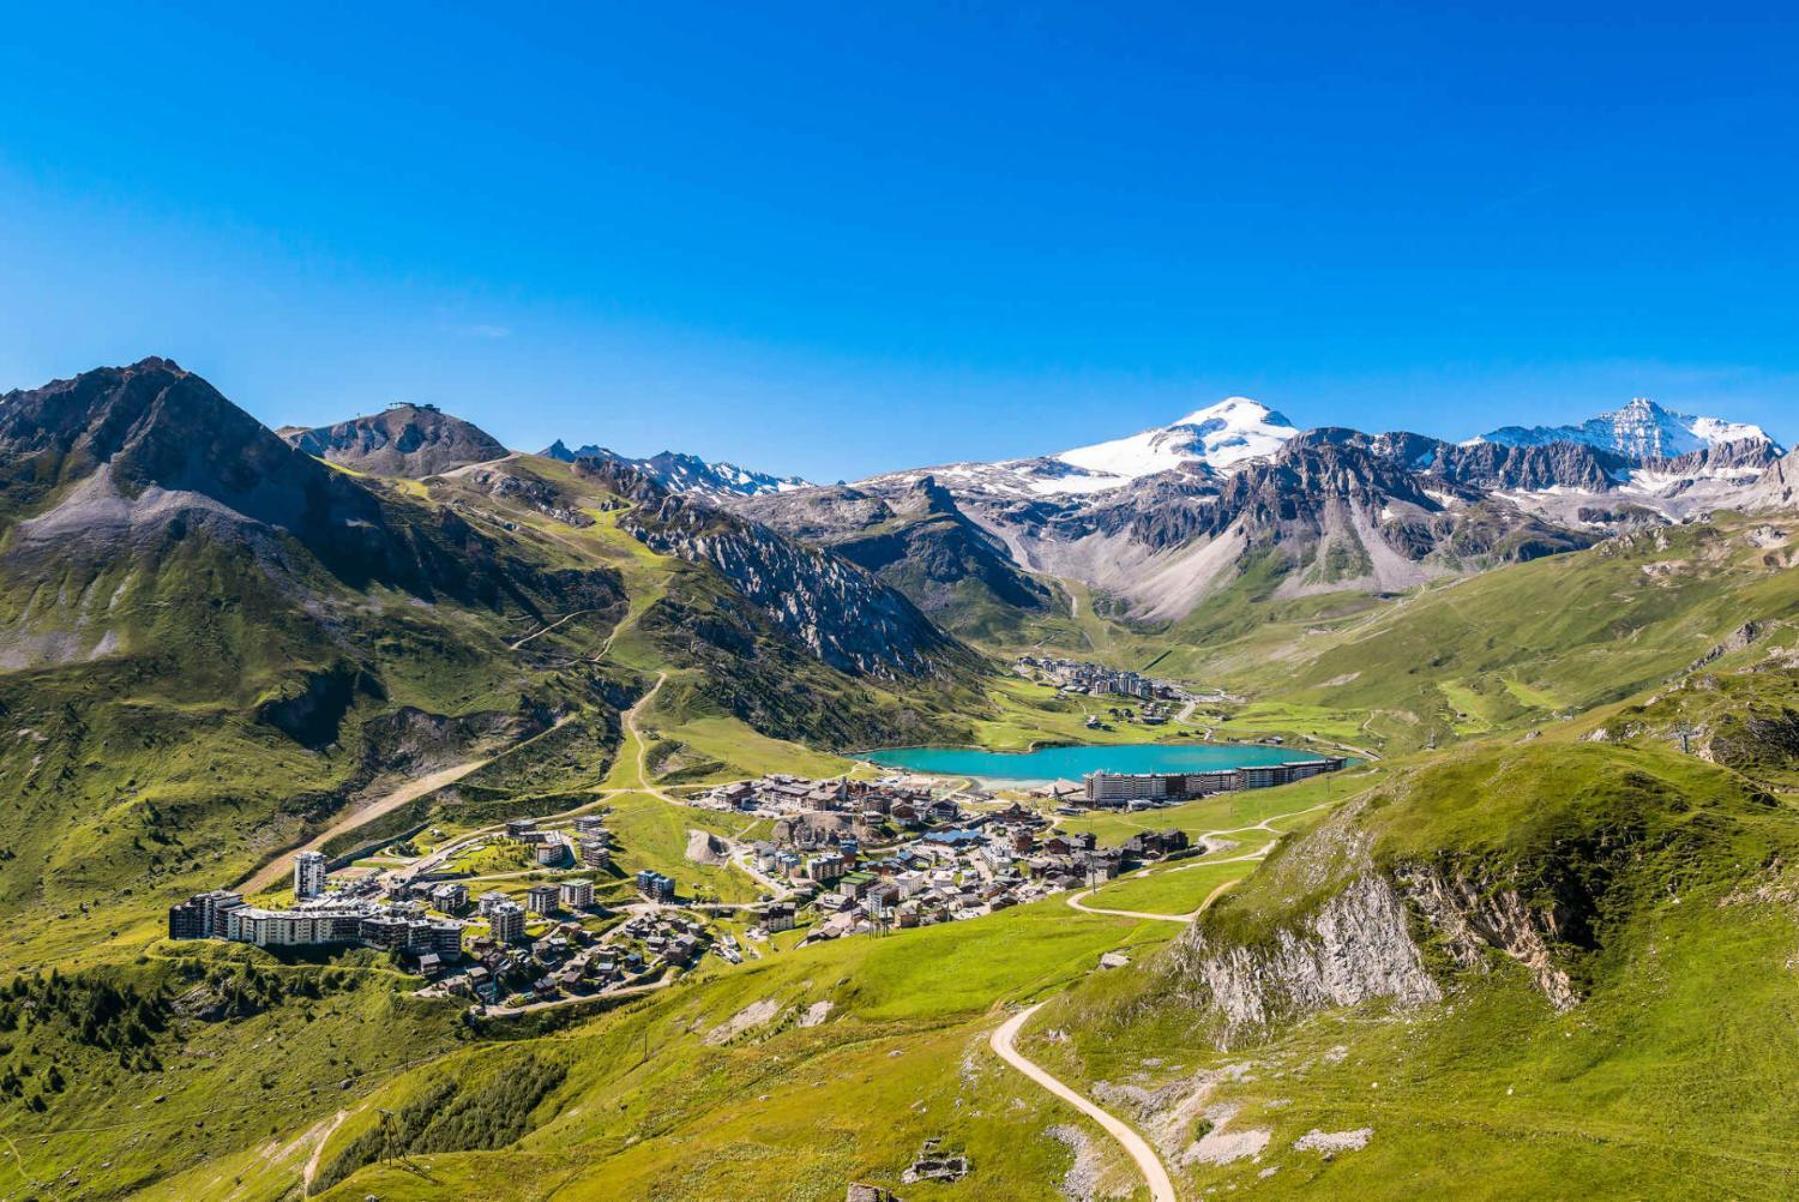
1231 432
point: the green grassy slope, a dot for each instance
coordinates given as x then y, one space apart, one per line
657 1103
1515 647
1669 882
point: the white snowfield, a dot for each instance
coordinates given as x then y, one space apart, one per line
1232 431
1223 437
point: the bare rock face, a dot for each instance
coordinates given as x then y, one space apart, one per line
915 538
1356 948
538 494
403 440
842 614
1472 918
1778 487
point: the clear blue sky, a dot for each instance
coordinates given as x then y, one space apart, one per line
829 241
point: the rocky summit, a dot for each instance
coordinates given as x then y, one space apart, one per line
401 440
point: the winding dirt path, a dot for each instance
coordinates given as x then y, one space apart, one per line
1074 899
1004 1044
1078 902
546 629
629 722
318 1152
1161 1189
271 873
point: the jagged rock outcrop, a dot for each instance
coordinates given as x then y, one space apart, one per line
916 538
538 494
402 440
1471 919
687 474
1737 640
1357 947
838 611
1778 487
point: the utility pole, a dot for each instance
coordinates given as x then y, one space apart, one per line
387 1136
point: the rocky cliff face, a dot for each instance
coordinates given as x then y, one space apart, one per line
403 440
1472 919
1778 487
915 538
687 474
1356 948
845 616
1333 925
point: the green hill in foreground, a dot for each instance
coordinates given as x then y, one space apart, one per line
1540 971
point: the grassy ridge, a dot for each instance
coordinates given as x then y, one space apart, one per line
1669 875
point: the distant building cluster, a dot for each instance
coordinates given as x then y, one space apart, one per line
1117 789
570 961
974 865
417 913
1093 680
550 849
317 919
779 795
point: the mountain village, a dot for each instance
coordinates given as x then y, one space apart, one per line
846 856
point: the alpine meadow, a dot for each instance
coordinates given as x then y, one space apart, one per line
548 650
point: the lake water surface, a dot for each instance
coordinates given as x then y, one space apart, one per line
1072 763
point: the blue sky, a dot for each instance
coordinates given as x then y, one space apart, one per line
828 241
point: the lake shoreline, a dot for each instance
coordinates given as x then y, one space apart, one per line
1070 762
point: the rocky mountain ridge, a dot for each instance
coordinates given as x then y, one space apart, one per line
844 615
402 440
1161 520
1641 430
685 473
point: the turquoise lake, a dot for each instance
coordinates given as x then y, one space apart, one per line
1072 763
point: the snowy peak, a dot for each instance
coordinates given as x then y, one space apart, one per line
687 473
1233 431
1641 430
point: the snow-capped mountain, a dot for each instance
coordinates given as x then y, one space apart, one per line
1215 441
687 473
1158 521
1220 436
1641 430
